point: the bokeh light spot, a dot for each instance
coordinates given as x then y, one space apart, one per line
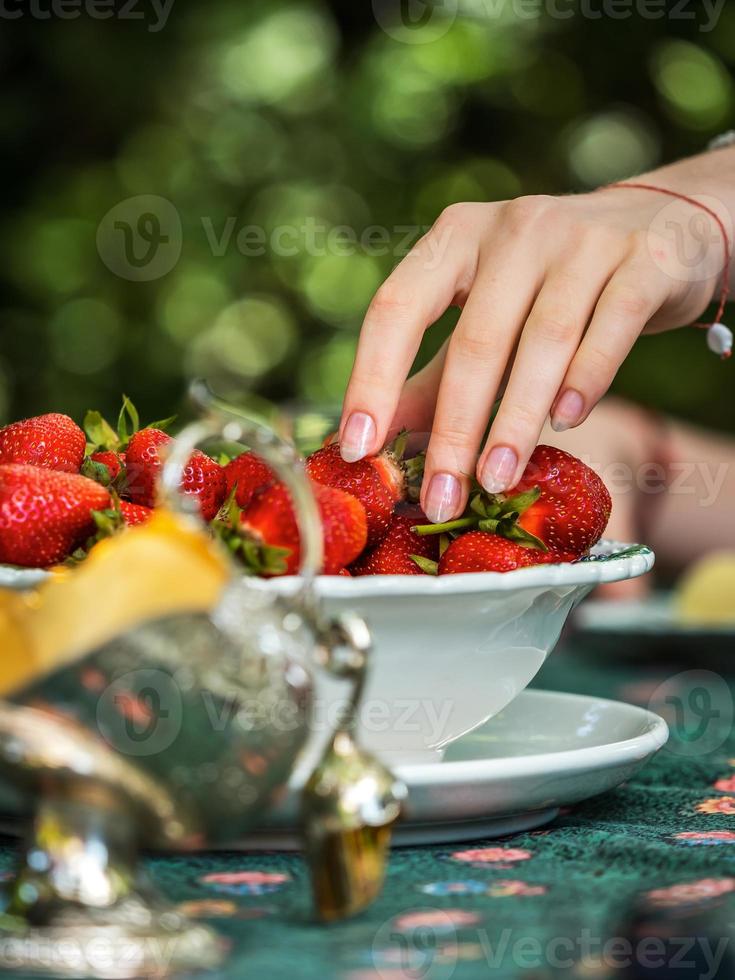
324 373
339 287
54 255
472 180
248 339
191 302
84 335
610 146
279 55
695 85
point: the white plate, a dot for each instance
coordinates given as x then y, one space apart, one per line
544 751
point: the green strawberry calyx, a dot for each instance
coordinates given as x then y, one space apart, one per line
427 565
102 436
108 522
256 557
493 513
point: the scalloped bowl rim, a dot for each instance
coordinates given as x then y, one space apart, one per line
601 567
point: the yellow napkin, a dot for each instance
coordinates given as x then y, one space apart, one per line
166 566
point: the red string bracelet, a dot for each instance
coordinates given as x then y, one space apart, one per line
719 336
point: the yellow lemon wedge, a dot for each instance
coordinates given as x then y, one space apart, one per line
166 566
705 596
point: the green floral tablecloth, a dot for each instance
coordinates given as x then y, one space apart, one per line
637 883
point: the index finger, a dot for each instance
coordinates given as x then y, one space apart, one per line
416 294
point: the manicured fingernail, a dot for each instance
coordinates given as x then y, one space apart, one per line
568 410
499 469
442 497
357 438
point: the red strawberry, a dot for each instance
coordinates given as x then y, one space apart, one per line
52 441
45 514
378 482
480 551
392 555
203 477
112 460
270 521
116 518
574 505
135 514
559 502
250 473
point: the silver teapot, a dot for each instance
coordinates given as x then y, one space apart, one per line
179 734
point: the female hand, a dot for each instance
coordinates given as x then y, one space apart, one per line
554 293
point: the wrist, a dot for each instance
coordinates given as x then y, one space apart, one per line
705 179
689 233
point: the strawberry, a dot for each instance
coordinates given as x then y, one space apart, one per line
106 445
559 504
393 555
379 482
52 441
480 551
203 477
45 514
114 463
269 521
135 514
250 473
116 517
573 506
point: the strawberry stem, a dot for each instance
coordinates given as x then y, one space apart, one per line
458 525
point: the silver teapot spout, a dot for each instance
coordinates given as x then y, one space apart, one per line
178 733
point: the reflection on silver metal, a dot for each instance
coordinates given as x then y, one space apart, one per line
351 799
179 734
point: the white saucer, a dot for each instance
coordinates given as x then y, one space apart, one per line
544 751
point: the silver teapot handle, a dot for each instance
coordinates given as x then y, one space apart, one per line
223 421
346 844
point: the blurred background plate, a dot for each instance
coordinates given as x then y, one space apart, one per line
649 628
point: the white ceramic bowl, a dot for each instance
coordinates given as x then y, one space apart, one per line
450 652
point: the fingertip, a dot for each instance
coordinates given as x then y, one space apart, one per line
442 498
497 472
358 437
568 411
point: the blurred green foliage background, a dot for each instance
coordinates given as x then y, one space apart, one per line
274 113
